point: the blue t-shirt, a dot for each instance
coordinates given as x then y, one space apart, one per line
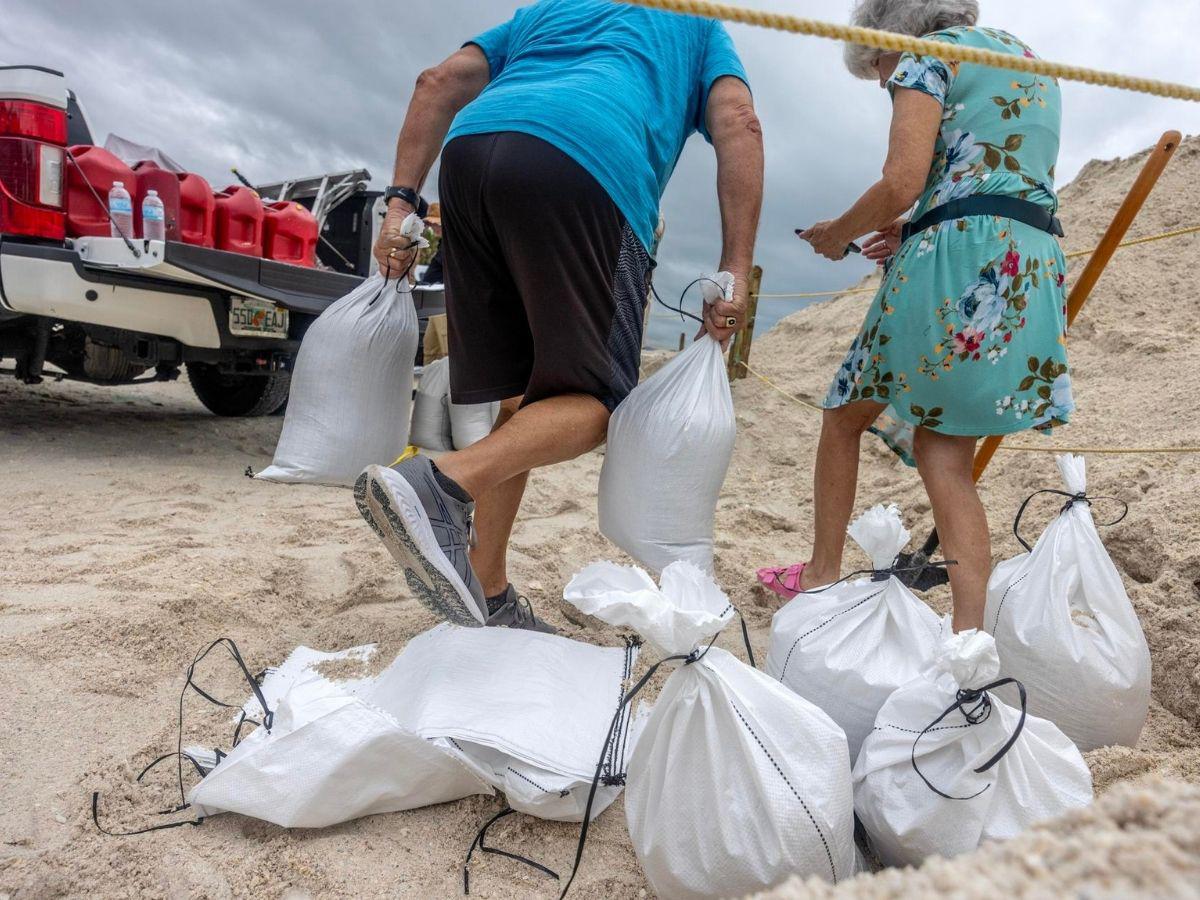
617 88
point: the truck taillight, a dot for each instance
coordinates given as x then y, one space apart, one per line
21 118
31 188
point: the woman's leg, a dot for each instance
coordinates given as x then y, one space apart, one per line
835 479
945 463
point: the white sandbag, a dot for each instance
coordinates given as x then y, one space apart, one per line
1065 628
1040 776
431 408
736 783
528 712
471 422
351 394
850 646
330 756
669 446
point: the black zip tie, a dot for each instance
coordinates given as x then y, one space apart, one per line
163 827
980 709
746 638
688 659
883 574
483 848
683 294
1072 499
231 647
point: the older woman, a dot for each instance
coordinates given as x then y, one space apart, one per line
965 337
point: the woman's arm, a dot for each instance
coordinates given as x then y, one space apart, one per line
916 118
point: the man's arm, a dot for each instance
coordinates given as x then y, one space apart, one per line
439 94
737 138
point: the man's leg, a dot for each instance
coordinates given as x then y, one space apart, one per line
543 433
495 512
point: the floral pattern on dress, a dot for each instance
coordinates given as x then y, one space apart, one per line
967 332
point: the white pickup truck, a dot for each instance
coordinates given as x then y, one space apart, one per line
102 311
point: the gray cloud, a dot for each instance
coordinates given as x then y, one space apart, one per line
285 89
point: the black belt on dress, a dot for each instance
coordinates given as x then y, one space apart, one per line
987 205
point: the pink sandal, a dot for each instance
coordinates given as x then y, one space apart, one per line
783 580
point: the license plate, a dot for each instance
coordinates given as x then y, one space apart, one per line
249 317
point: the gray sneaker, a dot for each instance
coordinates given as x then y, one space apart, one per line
515 612
428 532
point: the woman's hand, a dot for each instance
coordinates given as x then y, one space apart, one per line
883 245
828 240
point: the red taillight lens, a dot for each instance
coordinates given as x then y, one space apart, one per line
21 118
31 188
31 171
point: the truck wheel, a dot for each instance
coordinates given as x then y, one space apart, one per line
238 395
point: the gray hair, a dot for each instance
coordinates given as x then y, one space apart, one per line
915 17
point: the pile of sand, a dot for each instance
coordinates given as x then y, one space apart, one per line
132 539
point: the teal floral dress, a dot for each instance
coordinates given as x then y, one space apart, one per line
966 335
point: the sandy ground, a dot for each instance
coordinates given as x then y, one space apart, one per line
131 538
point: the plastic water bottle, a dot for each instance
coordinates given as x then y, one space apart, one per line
120 210
154 223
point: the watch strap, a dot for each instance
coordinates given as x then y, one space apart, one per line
409 196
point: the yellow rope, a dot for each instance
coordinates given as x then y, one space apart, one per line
886 40
1023 448
1138 450
767 381
1074 254
1191 229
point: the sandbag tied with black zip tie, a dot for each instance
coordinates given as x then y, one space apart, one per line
736 783
351 393
950 765
1064 625
847 646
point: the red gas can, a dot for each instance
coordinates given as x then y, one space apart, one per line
239 221
290 234
197 210
87 215
151 178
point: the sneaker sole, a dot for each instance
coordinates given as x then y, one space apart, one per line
395 514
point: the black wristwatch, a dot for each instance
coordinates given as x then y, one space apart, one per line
409 196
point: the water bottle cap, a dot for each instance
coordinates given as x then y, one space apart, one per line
151 193
118 184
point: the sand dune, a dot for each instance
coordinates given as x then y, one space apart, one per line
132 538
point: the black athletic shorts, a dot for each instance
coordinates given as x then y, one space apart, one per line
545 280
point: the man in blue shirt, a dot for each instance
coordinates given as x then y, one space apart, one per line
561 128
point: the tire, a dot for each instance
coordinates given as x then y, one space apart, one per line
238 395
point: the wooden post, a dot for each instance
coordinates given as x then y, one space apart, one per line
1082 288
739 348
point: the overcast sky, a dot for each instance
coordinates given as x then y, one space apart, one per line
283 89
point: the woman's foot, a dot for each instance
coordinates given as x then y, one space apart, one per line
788 581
